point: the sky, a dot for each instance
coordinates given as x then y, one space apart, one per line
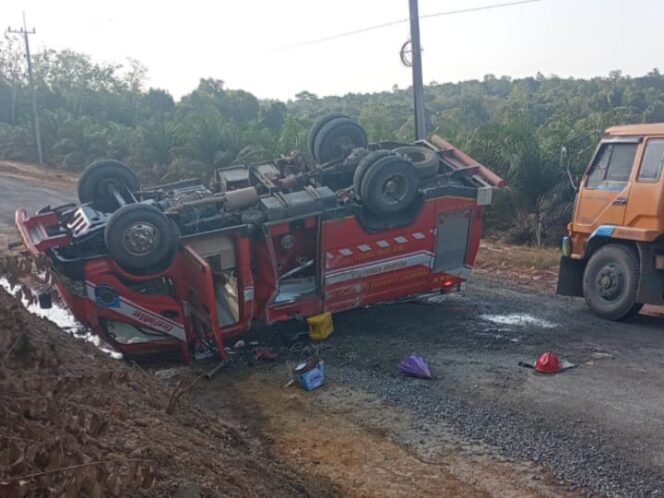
248 43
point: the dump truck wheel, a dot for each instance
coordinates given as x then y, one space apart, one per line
141 239
425 160
610 282
364 165
97 181
318 124
337 138
389 186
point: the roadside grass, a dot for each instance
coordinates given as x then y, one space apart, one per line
506 255
519 264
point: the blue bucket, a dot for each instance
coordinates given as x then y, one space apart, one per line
311 374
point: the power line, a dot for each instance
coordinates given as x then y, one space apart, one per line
402 21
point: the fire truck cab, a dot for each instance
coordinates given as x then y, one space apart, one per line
182 268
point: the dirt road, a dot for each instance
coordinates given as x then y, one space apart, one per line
18 192
483 426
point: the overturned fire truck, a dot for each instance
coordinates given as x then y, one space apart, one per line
181 268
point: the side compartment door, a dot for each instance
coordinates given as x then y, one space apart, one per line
294 250
452 239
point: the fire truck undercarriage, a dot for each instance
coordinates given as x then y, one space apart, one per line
181 268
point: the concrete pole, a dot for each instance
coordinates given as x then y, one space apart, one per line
33 96
418 85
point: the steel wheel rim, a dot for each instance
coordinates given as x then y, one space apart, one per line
610 282
343 145
394 189
140 238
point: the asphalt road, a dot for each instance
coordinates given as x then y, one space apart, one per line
598 428
17 193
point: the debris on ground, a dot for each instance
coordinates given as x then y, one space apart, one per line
415 366
265 354
167 373
320 326
75 422
310 374
548 363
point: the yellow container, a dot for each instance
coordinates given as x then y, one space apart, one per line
320 326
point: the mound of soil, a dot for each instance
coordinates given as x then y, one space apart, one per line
76 423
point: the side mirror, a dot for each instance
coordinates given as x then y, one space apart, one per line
564 163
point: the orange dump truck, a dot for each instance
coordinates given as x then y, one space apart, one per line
613 255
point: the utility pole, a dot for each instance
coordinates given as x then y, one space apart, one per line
35 116
418 85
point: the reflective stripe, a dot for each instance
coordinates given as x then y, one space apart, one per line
421 258
603 231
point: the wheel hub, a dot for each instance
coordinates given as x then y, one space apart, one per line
394 189
343 146
610 282
140 238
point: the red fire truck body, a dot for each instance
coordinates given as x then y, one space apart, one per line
289 265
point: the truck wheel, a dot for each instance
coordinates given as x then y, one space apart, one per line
610 282
141 239
97 181
318 124
337 138
389 186
425 160
364 165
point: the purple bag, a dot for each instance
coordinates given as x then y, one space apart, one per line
415 366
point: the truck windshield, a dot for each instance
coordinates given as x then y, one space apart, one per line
612 165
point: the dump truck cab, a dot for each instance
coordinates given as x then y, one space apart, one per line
613 254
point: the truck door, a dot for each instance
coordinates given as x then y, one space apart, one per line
606 186
646 203
220 286
200 305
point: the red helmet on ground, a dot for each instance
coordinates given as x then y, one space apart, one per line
548 363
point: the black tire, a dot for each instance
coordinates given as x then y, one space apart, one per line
425 160
318 124
389 186
364 165
337 138
611 281
94 184
141 239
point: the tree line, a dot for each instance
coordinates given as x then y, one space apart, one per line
516 127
